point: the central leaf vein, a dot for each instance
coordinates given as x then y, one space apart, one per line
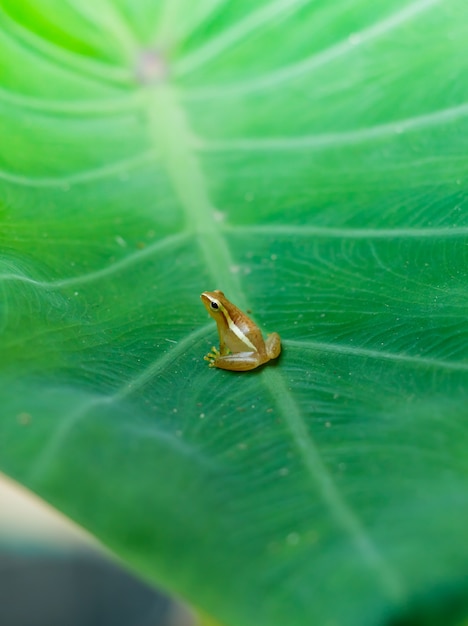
171 133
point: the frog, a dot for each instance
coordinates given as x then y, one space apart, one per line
241 343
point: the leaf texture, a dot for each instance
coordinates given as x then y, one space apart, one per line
308 158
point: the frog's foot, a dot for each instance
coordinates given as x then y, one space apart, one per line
212 356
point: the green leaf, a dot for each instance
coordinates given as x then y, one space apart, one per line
308 158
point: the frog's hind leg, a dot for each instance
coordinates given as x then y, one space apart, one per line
273 346
240 361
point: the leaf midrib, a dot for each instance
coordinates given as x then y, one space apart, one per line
171 134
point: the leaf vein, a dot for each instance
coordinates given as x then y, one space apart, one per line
42 462
237 32
306 230
105 272
338 139
85 176
359 351
318 59
322 478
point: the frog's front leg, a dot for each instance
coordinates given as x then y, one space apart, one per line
212 355
237 362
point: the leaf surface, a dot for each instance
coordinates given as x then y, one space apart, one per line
309 159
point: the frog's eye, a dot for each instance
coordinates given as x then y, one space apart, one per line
214 305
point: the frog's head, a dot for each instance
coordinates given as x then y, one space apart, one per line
214 302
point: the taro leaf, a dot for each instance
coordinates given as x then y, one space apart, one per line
310 159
